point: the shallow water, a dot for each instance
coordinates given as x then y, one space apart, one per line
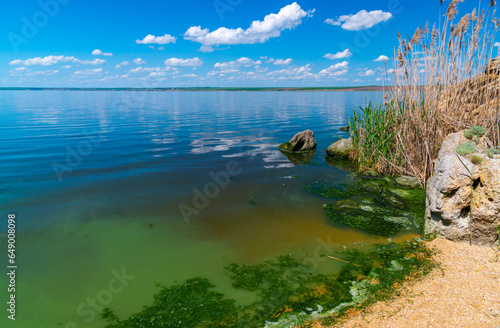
97 179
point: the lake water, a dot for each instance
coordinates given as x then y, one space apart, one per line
106 189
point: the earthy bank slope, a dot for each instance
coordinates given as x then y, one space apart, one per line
466 295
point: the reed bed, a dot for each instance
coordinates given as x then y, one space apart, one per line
443 82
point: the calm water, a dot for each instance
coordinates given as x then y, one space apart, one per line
98 180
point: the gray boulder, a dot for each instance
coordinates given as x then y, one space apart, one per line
302 142
448 201
340 148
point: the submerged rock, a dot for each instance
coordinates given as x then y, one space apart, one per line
340 148
448 203
345 128
378 206
409 182
302 142
391 199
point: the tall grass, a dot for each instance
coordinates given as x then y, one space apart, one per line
439 87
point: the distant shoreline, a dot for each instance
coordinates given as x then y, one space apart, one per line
363 88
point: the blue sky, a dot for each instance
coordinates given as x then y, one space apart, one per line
151 43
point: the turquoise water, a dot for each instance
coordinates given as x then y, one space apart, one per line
104 188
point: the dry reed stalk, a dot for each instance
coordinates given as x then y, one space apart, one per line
440 88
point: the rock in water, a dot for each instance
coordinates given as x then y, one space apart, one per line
448 203
409 182
301 142
340 148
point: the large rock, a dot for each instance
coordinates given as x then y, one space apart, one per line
340 148
302 142
448 203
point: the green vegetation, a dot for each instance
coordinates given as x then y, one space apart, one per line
475 159
441 86
373 135
375 205
287 291
474 133
492 153
466 148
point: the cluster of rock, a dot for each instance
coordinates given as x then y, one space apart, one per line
304 142
462 196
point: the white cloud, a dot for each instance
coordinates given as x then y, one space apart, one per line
123 63
96 61
206 49
360 21
259 31
45 61
151 39
183 62
98 52
90 71
283 61
496 44
381 58
342 54
378 79
357 80
157 74
243 61
66 66
139 61
293 73
335 70
53 60
368 72
146 69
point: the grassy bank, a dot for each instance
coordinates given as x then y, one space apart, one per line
442 84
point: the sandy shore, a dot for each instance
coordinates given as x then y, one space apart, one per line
466 295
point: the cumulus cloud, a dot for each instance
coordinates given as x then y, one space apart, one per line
336 70
183 62
151 39
342 54
139 61
293 73
53 60
243 61
368 72
146 69
98 52
123 63
288 17
381 58
360 21
96 61
90 71
283 61
496 44
45 61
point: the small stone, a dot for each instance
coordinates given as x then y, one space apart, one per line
340 148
